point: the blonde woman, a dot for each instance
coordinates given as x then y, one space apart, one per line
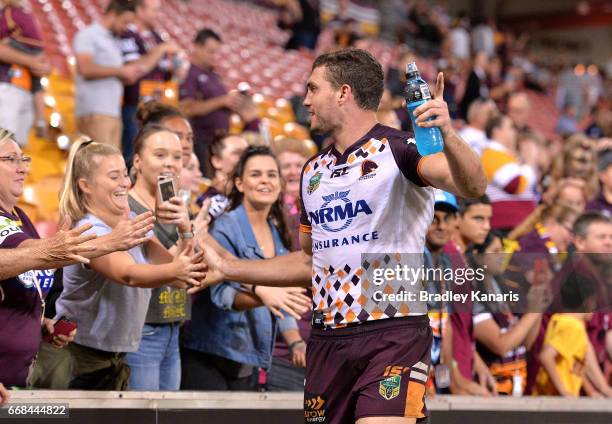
22 296
109 298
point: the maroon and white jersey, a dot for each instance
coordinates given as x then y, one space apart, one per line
365 209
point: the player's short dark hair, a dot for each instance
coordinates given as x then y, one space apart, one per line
358 69
583 223
465 204
122 6
204 35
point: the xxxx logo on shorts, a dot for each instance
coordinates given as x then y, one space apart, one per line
314 408
389 388
314 182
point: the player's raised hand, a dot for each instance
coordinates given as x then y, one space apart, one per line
292 300
439 92
436 108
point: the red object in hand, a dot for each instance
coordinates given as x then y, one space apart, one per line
63 326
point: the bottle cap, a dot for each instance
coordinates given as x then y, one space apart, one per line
244 88
411 67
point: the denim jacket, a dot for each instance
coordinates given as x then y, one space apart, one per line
215 328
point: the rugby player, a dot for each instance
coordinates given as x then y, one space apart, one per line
370 192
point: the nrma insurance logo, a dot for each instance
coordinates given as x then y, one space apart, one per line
337 212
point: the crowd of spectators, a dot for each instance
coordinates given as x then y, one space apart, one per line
148 316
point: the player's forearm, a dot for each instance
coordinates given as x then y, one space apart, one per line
289 270
465 166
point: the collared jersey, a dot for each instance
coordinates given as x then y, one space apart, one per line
369 200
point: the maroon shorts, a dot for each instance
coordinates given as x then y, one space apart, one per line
375 369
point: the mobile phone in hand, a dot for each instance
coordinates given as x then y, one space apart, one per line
165 187
62 326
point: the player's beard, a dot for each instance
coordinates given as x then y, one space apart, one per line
320 125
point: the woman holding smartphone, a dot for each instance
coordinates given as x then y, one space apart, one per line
109 298
231 335
157 153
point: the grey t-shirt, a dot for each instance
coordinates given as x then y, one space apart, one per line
98 96
110 316
167 304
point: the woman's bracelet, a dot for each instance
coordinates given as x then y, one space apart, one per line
292 345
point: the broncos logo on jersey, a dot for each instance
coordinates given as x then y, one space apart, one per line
368 168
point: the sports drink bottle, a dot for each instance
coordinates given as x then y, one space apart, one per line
428 140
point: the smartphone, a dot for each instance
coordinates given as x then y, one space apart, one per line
165 187
62 326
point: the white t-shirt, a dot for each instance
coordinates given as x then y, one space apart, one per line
101 96
110 316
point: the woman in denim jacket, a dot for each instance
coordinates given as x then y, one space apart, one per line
231 334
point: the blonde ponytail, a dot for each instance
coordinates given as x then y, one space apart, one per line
83 160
